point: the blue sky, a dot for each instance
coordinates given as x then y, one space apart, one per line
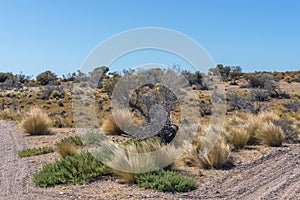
58 35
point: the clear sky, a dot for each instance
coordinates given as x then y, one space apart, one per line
58 35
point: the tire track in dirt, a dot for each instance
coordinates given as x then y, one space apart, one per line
273 176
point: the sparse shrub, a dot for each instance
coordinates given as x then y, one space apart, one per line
110 126
36 122
78 169
270 134
292 106
166 181
35 151
66 149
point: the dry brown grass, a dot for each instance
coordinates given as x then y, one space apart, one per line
253 124
66 149
215 158
123 118
135 157
36 122
268 116
270 135
239 137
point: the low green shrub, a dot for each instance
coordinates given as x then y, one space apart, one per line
93 138
74 140
166 181
77 169
35 151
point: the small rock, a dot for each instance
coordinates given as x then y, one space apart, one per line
61 193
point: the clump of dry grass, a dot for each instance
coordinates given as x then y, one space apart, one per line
270 134
66 149
253 125
268 116
134 157
123 117
36 122
218 155
215 157
239 137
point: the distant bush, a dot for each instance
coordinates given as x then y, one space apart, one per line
36 122
77 169
262 81
35 151
46 77
109 85
166 181
4 76
292 106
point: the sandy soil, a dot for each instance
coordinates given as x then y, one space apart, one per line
273 174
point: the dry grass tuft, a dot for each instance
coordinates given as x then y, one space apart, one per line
239 137
268 116
215 157
36 122
110 126
66 149
270 135
134 157
252 126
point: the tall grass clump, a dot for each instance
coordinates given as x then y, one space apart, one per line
271 135
252 125
123 117
239 137
134 157
36 122
215 157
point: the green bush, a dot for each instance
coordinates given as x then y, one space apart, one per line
46 77
93 138
77 169
35 151
166 181
74 140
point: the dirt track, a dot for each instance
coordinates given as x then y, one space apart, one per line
273 176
